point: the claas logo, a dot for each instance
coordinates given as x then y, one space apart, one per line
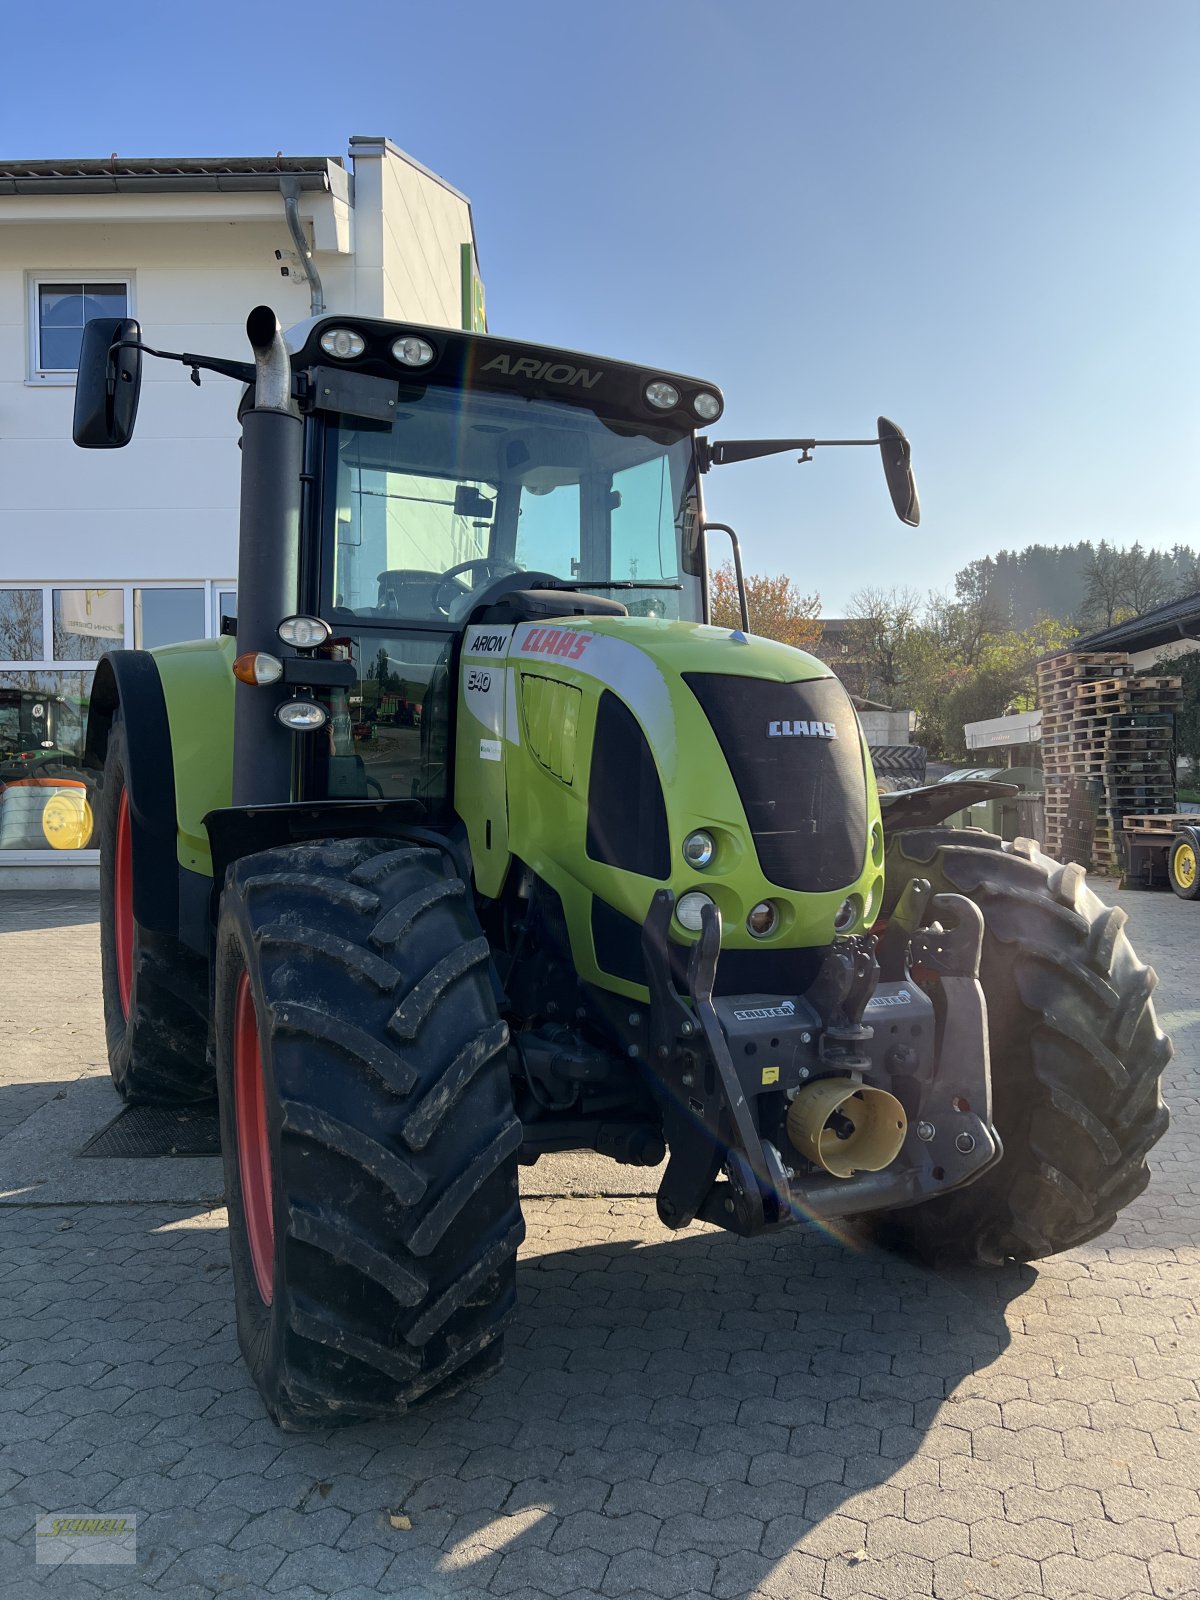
798 729
556 642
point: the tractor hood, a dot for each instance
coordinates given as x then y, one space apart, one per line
590 748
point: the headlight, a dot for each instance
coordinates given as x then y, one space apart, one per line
763 920
304 633
689 909
847 914
342 343
302 716
699 849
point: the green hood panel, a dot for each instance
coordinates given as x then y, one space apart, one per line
516 804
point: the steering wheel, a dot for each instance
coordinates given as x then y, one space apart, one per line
486 566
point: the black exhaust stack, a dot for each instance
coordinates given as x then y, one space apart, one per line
268 563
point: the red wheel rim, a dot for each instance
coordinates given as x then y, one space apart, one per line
123 903
254 1154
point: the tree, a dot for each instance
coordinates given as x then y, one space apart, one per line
1105 579
882 622
1147 580
1122 584
777 608
1187 718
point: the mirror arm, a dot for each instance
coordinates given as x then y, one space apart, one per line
723 527
244 370
722 452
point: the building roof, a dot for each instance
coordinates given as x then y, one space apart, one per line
1178 619
165 174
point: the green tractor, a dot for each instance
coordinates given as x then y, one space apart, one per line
474 840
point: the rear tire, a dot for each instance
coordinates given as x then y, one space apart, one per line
367 1127
155 989
1077 1055
1183 867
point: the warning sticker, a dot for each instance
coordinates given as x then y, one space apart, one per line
770 1075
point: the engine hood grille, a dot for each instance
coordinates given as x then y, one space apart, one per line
796 756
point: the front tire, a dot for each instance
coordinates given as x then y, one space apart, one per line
367 1127
155 990
1077 1055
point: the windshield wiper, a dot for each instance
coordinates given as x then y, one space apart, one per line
612 583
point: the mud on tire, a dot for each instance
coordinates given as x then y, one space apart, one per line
157 1031
1077 1055
390 1138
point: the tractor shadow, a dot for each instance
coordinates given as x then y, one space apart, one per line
24 910
684 1414
695 1405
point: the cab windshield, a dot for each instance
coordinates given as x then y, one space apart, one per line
467 486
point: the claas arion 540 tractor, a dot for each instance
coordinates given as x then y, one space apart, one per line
474 839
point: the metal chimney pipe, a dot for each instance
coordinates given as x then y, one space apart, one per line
268 561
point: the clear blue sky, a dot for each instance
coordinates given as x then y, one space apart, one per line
978 218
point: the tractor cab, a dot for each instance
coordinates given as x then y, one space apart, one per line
460 478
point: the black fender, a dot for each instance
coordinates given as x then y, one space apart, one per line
128 680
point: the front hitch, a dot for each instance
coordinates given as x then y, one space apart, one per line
707 1121
725 1169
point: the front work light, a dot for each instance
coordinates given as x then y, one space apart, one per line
302 716
304 633
707 407
413 352
342 343
689 909
763 920
663 395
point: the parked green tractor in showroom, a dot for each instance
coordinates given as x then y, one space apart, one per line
613 879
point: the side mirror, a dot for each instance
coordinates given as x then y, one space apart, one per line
108 385
468 502
897 469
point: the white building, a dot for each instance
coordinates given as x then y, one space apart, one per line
139 546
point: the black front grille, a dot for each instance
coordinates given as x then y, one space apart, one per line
804 792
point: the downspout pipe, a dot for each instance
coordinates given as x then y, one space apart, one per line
289 187
268 562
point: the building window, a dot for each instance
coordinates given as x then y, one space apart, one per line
46 795
58 312
50 642
87 622
21 625
167 616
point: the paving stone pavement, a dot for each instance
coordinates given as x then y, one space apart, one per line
680 1415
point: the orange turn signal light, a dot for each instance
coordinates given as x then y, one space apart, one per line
255 666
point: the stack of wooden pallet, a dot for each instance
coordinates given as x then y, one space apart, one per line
1108 737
